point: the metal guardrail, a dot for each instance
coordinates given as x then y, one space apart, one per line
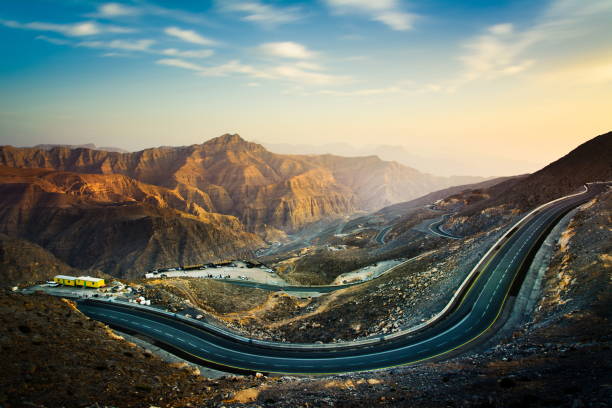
475 270
265 343
370 340
227 333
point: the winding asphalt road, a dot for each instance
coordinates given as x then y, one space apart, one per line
382 234
436 228
475 310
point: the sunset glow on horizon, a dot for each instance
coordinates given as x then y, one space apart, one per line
486 89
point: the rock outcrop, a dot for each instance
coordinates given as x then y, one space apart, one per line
23 261
54 356
113 223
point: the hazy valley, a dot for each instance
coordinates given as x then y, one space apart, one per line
187 205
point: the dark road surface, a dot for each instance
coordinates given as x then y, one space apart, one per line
436 228
476 310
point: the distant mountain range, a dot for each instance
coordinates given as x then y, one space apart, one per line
229 175
81 146
125 213
441 162
67 208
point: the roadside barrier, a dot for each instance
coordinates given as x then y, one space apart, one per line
454 301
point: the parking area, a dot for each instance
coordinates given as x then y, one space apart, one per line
236 271
65 291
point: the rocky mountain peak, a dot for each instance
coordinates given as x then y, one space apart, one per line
227 139
230 141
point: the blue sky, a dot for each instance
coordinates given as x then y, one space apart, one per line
437 77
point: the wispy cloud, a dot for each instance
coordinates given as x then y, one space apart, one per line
363 92
404 86
179 63
502 50
82 29
235 67
189 36
387 12
286 49
140 45
114 55
309 65
231 67
110 10
56 41
501 29
260 13
127 45
296 74
114 10
496 53
187 53
287 72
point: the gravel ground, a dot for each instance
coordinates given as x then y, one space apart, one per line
367 273
227 272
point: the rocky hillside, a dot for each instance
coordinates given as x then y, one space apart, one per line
229 175
392 212
577 300
54 356
113 223
481 209
22 261
588 162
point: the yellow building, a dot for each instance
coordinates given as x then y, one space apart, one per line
85 281
89 282
65 280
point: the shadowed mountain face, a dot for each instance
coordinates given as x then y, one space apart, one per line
229 175
22 260
114 223
482 208
591 161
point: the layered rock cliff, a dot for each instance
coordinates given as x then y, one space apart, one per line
114 223
229 175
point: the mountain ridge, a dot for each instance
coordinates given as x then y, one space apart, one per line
89 222
233 176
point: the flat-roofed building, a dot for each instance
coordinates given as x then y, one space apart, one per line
85 281
89 282
65 280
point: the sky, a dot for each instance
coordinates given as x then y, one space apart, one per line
472 87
